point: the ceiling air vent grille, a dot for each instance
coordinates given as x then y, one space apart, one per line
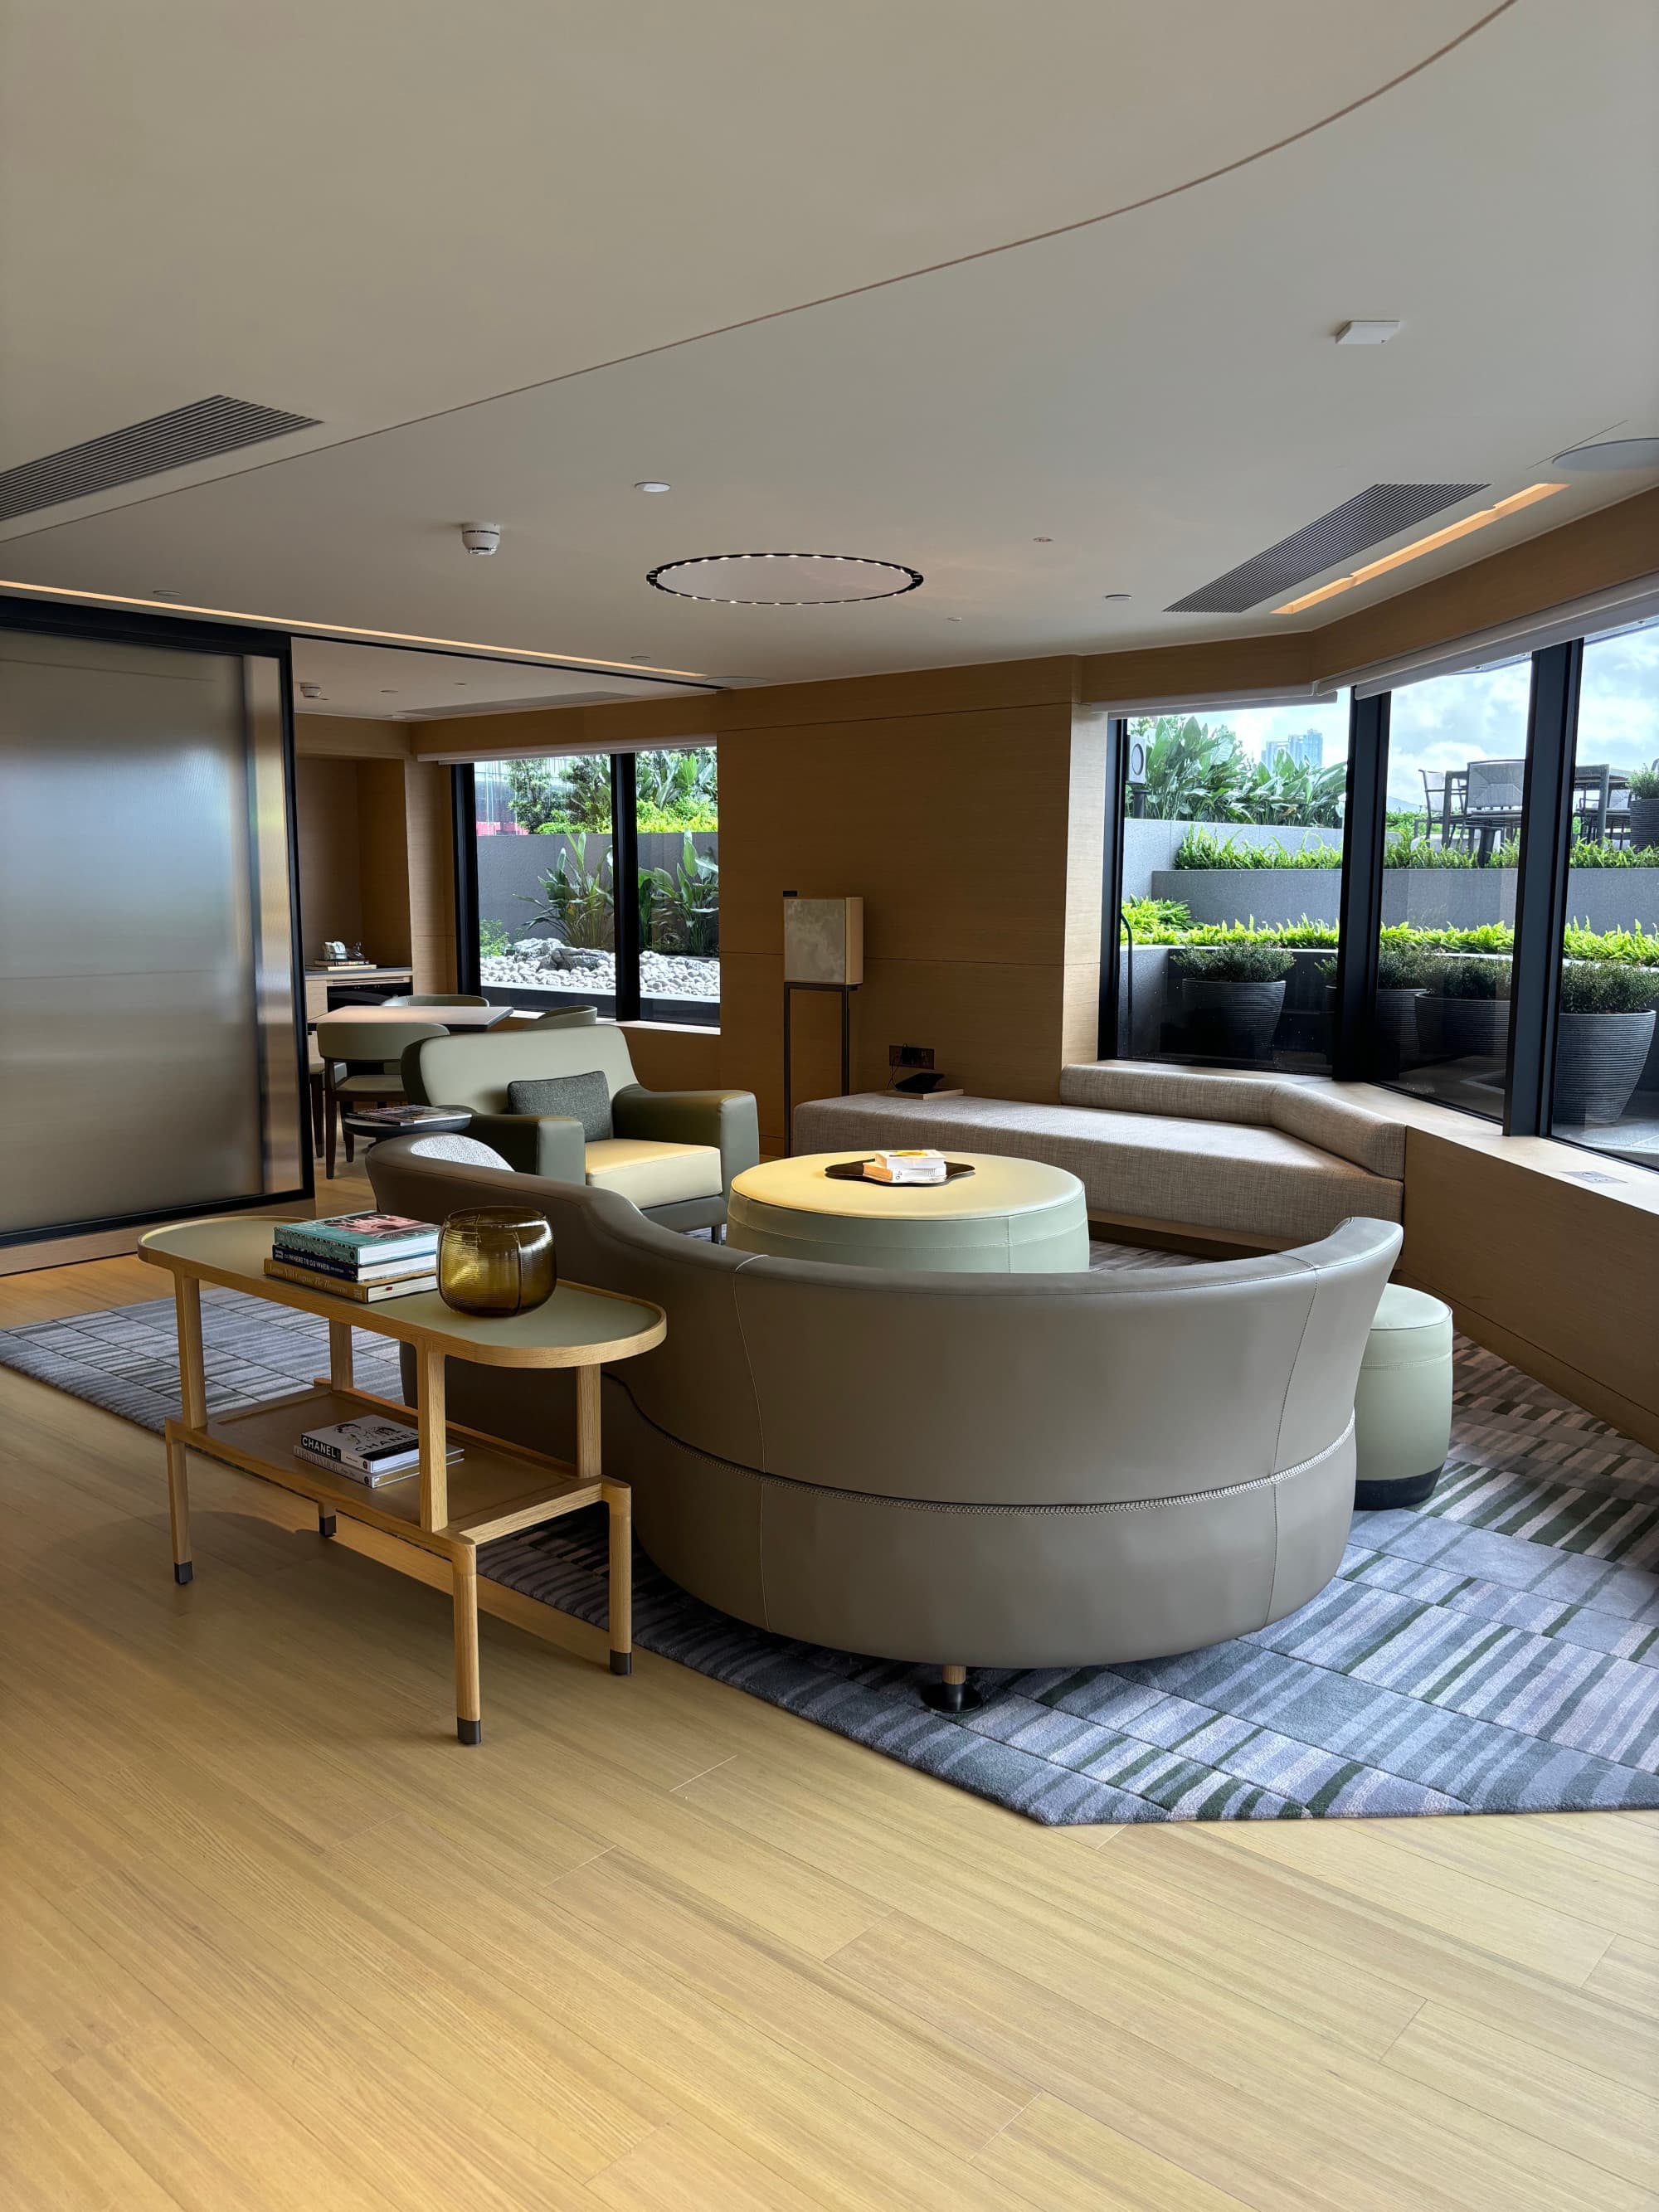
1380 511
199 432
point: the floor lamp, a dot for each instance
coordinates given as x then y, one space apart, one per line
822 950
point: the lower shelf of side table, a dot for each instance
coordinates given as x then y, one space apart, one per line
495 1488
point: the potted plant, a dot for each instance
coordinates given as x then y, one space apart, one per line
1602 1039
1463 1012
1644 807
1403 973
1233 996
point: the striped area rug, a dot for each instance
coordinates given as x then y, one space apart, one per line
1494 1651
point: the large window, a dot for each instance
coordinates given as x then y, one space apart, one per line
1490 850
547 868
1457 769
1606 1061
1232 856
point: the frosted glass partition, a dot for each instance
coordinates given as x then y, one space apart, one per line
148 1055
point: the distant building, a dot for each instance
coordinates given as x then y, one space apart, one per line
1307 750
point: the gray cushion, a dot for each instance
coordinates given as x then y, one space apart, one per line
584 1098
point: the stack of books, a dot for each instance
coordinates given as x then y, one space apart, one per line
365 1256
916 1166
370 1450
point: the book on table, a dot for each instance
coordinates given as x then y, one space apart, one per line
349 1270
371 1294
369 1449
917 1166
361 1237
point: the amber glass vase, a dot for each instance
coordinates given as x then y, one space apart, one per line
494 1261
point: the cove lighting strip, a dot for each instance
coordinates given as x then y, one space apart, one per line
300 624
1512 505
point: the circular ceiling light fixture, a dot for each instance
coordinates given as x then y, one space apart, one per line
1611 453
784 579
653 483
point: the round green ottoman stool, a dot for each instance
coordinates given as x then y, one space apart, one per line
1402 1404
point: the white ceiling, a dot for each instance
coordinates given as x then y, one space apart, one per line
385 682
502 256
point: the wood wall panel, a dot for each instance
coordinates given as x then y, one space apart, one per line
952 827
383 849
351 737
430 875
330 894
667 1056
1561 1277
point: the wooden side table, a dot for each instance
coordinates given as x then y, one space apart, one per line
497 1489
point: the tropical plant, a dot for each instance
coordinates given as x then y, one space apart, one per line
1644 783
1293 795
533 792
1631 948
677 785
1597 987
1233 963
685 904
585 790
1144 916
1193 769
493 939
577 901
1201 848
1614 856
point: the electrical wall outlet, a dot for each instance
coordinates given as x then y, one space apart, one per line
909 1055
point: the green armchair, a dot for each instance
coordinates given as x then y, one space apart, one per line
672 1153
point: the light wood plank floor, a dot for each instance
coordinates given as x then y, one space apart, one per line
271 1938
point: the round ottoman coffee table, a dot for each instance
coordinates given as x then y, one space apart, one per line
1008 1217
1402 1405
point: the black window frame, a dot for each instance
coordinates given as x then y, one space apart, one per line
1542 891
626 1003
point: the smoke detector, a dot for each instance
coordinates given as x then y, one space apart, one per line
480 537
310 690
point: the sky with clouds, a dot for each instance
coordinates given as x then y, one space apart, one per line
1451 721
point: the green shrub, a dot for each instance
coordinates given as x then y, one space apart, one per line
1472 978
1234 963
493 939
1645 781
1631 948
1614 856
1597 987
1202 849
1143 917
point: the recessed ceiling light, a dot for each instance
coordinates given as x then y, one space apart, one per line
640 660
1367 334
1610 453
784 579
1414 551
388 691
653 483
1043 540
1117 595
460 683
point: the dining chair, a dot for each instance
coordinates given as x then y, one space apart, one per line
360 1067
1493 799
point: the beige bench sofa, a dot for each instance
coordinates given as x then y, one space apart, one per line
1250 1159
1001 1470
